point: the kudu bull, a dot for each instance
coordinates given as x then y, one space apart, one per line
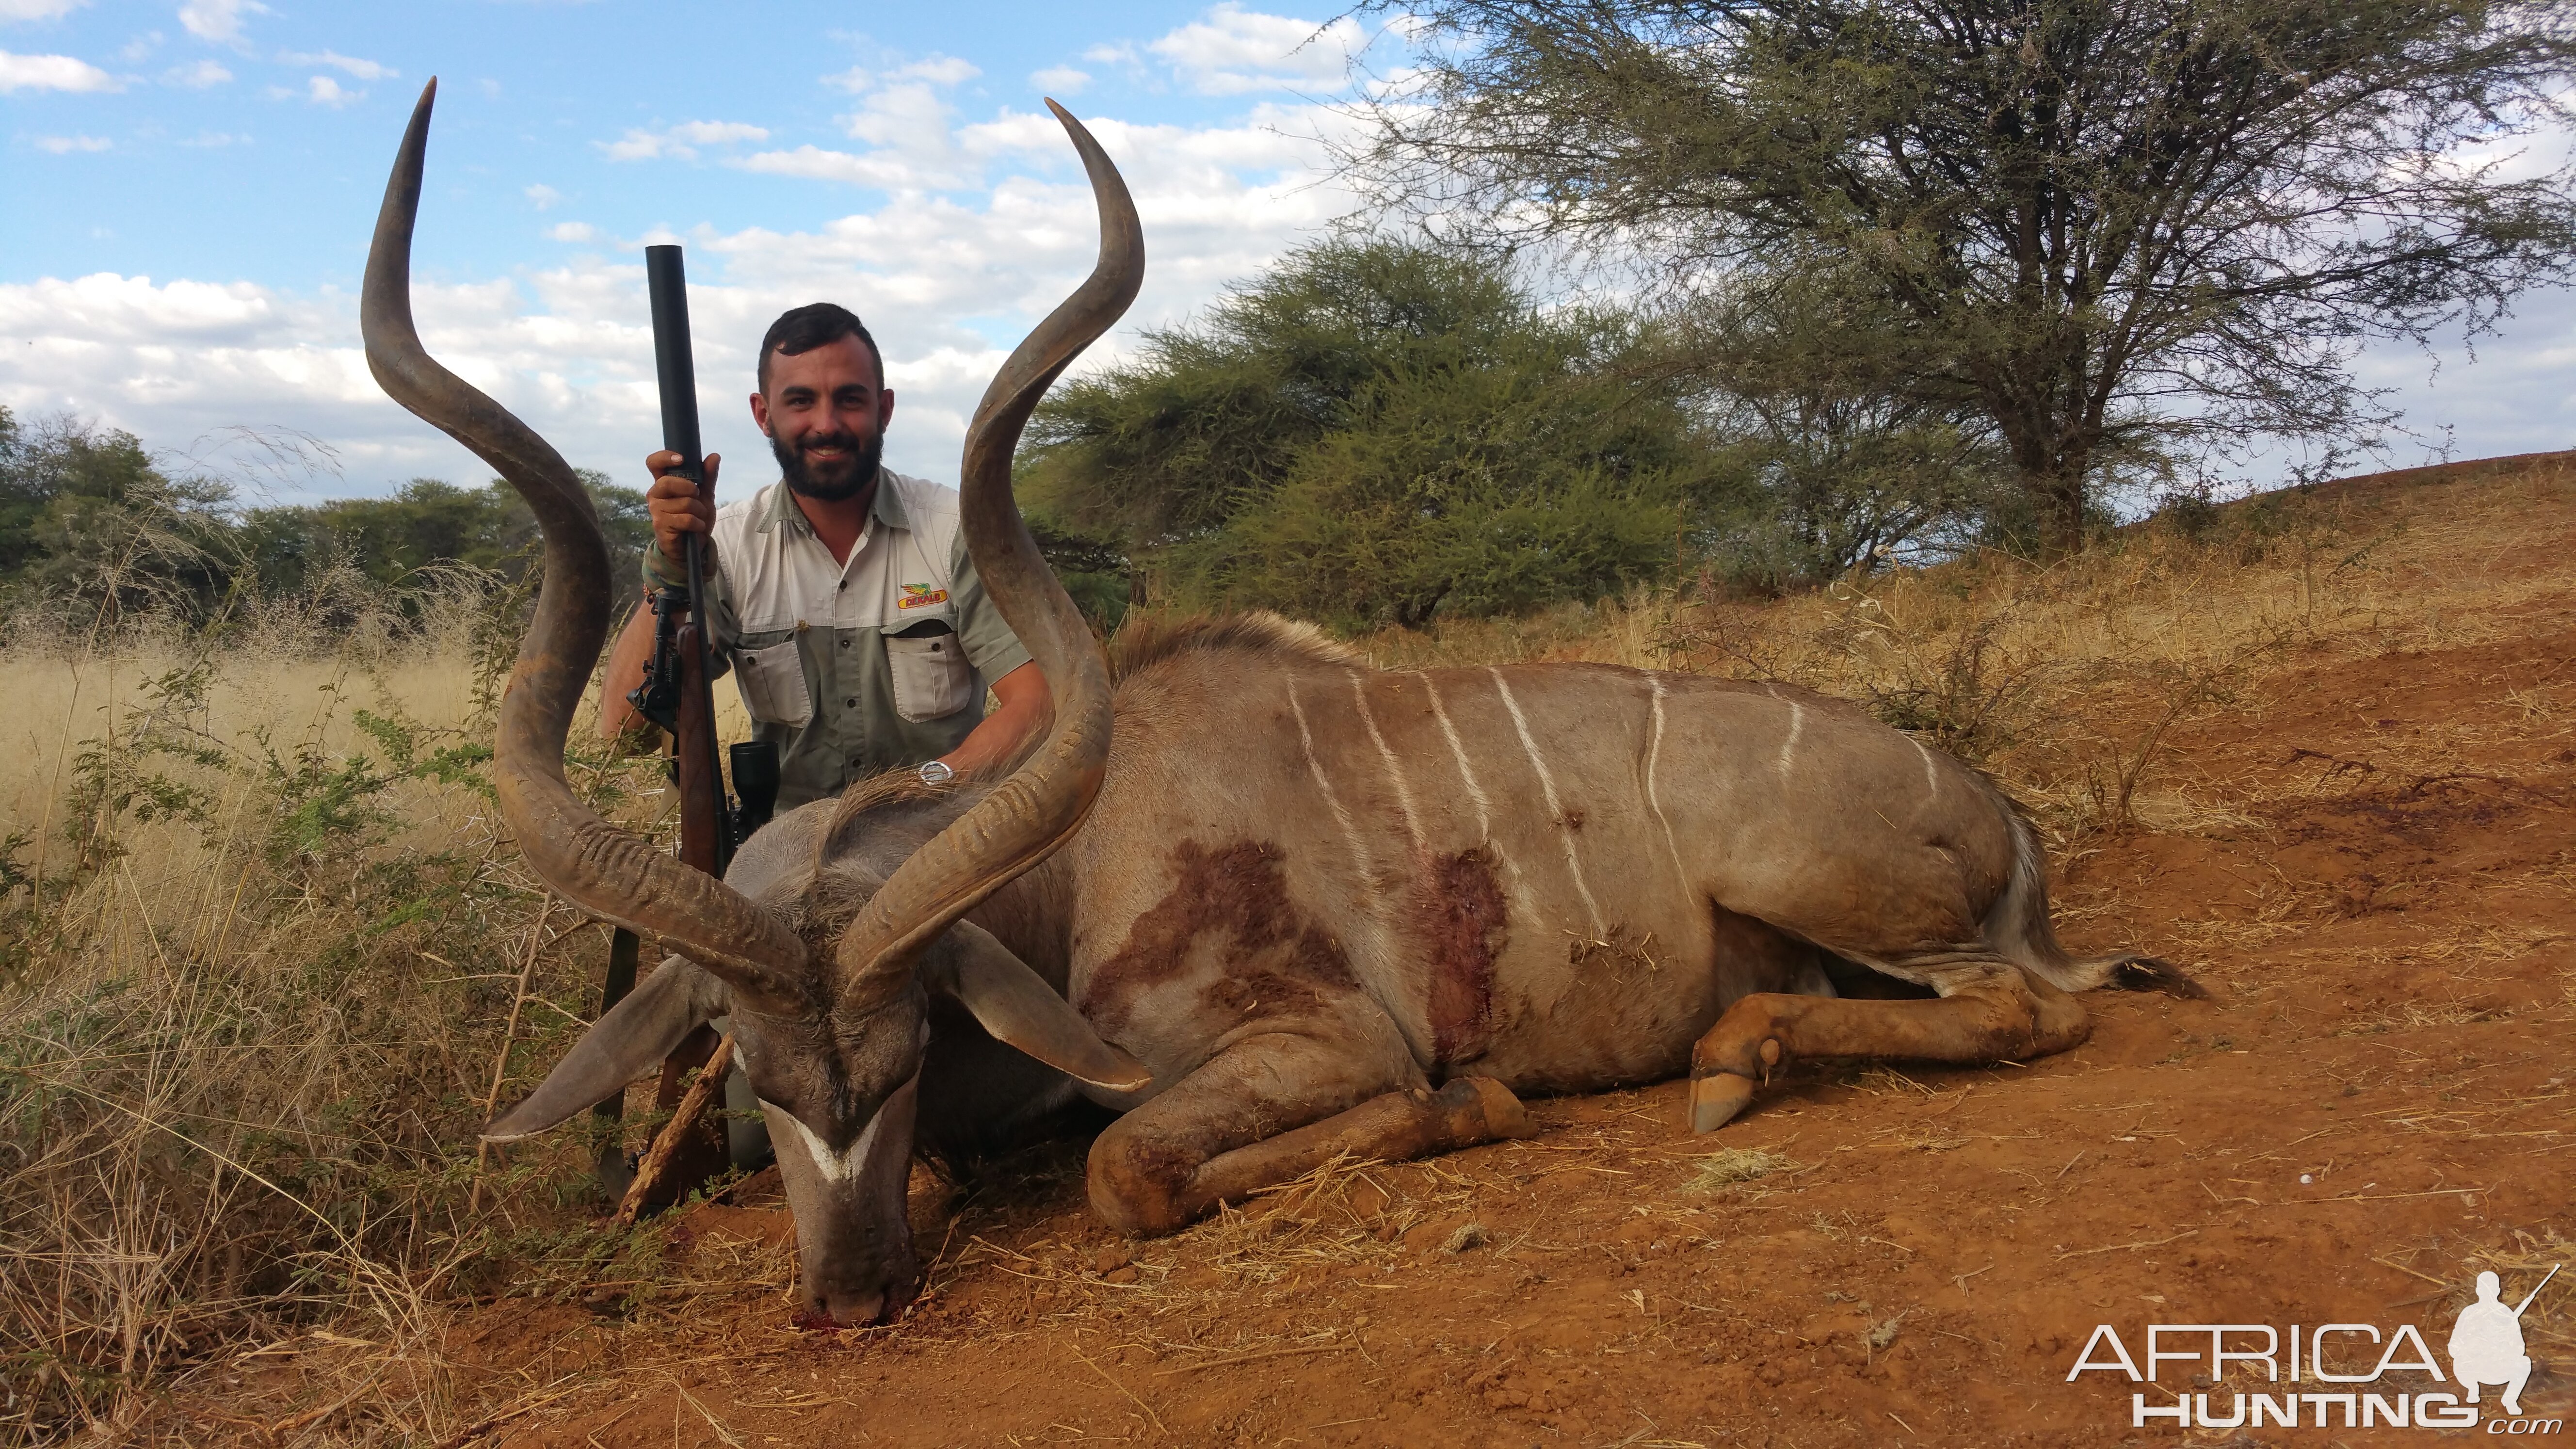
1293 907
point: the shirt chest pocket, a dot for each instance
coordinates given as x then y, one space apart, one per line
773 685
932 679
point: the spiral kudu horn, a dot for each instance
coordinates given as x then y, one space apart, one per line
604 870
1030 814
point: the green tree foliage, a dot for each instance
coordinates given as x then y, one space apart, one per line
1848 458
84 512
90 519
425 524
2126 229
1376 432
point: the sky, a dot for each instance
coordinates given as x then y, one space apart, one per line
191 189
187 188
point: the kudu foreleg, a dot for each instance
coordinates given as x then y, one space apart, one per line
1216 1136
1984 1014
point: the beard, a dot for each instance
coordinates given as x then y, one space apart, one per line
846 478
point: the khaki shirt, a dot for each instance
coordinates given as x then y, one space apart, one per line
856 668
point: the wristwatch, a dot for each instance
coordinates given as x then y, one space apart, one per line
937 773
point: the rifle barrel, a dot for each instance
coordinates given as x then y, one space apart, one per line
666 282
673 365
2536 1287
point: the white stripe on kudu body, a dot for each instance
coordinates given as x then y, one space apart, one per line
1931 776
1789 746
1555 807
1458 751
1394 770
1324 782
1654 755
1513 881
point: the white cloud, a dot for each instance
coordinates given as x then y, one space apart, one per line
1121 53
680 142
202 74
717 133
36 9
218 20
211 139
816 164
1234 50
938 70
321 90
366 70
1061 80
51 73
542 196
946 281
941 70
636 146
903 112
572 231
65 145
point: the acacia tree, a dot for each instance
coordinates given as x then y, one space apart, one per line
1371 432
2124 227
1845 457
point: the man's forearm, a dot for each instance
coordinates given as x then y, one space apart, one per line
1020 698
625 671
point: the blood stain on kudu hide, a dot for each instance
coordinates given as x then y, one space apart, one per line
1464 921
1274 961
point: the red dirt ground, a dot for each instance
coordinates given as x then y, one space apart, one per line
2373 1106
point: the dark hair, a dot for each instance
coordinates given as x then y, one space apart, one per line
802 329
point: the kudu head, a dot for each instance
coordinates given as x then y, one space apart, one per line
827 976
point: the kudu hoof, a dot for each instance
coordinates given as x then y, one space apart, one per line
1504 1115
1716 1098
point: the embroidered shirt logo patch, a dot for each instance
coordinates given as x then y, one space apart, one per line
920 596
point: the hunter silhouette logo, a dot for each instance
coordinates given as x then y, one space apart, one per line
2486 1348
2486 1343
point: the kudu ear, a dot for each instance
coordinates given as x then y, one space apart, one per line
1017 1006
623 1045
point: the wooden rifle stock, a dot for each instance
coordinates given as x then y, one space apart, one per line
702 810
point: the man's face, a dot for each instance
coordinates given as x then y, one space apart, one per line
825 413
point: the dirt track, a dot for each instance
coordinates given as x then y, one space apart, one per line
2375 1105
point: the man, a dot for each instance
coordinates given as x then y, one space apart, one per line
844 602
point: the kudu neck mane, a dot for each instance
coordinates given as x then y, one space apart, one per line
880 821
1145 643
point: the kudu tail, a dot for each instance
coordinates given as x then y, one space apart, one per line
2017 928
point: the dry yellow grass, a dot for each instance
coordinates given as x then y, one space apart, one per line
263 932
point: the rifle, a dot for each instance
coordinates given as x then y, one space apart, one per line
678 691
704 839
